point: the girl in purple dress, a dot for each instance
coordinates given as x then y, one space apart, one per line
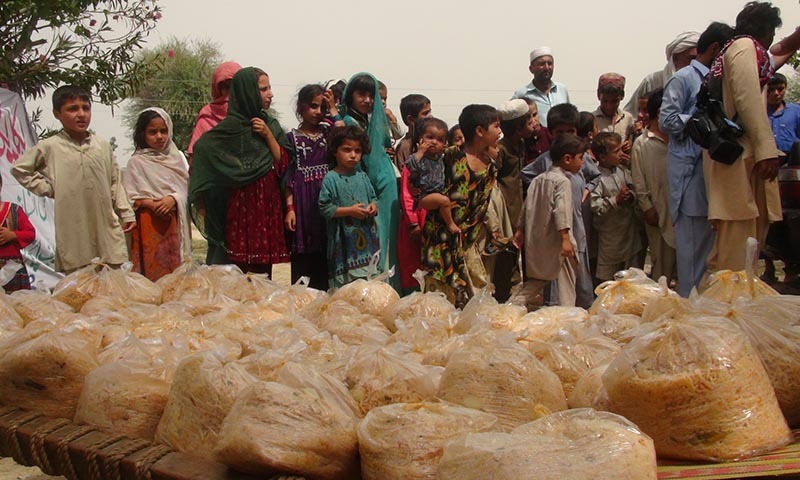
317 112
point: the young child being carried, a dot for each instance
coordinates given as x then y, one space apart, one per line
545 230
614 209
426 168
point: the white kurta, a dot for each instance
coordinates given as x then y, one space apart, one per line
649 170
616 224
90 201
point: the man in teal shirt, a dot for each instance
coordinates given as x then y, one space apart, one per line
543 90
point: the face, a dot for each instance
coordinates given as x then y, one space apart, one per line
312 112
437 138
363 101
573 163
492 134
643 116
530 127
458 138
542 68
384 95
265 89
562 129
537 124
225 87
775 93
613 157
75 115
425 112
609 103
156 134
348 154
684 58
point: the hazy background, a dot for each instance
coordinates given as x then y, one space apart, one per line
455 53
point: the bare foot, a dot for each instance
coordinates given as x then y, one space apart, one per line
453 228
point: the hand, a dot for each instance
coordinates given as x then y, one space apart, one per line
567 250
164 206
626 146
585 195
128 227
638 126
390 116
623 195
414 191
390 151
422 148
372 209
7 236
651 217
290 221
415 233
329 102
767 169
260 127
519 239
625 159
358 211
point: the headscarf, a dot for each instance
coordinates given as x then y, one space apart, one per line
213 113
231 155
157 173
766 67
380 170
681 43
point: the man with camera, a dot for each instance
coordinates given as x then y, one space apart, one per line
688 204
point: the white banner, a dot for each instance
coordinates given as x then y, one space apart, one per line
16 136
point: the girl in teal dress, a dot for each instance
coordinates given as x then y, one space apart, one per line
348 203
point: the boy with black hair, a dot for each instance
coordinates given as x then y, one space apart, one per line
783 116
611 118
79 171
412 108
613 209
394 128
649 171
545 230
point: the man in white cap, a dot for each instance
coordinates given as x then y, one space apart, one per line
542 89
680 53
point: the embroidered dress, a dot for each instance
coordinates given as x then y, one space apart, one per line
442 251
351 242
13 218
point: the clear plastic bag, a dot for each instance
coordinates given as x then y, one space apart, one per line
372 297
376 377
43 368
350 324
418 305
483 311
629 292
202 393
32 305
493 374
78 287
576 445
726 286
9 316
589 391
547 322
404 441
699 389
123 283
304 425
189 282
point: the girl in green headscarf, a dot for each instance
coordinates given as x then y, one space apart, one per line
234 182
360 108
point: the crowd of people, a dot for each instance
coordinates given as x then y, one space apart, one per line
534 197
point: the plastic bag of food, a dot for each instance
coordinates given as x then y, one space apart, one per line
419 305
547 322
79 286
43 369
124 283
616 326
202 393
376 376
32 305
189 282
9 316
629 292
294 298
305 425
699 389
423 335
589 391
493 374
726 286
372 297
483 311
353 327
125 398
404 441
771 325
576 445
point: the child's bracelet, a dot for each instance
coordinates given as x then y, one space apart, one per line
290 207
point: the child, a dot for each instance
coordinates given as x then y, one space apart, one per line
545 230
348 203
16 233
409 241
426 170
78 170
454 136
610 118
307 167
360 108
412 108
469 177
213 113
613 208
157 181
394 128
649 171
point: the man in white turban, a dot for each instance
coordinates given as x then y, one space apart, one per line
543 90
680 53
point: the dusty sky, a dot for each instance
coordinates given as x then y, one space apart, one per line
454 52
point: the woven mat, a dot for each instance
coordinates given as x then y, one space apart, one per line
783 463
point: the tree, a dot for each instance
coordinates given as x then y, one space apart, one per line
92 43
181 86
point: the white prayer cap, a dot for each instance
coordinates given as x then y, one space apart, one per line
540 52
513 109
682 42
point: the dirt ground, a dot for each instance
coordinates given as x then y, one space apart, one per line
9 470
